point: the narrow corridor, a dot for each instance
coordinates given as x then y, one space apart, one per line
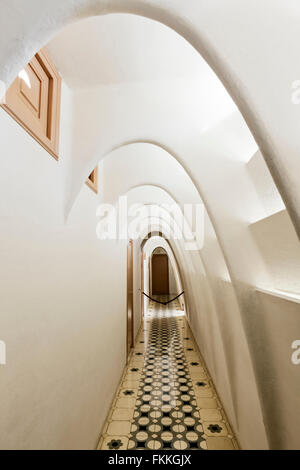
166 399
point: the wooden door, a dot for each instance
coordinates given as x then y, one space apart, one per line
160 274
142 283
130 333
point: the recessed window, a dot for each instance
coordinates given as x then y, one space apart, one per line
92 180
33 100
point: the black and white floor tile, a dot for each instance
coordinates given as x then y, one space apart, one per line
166 399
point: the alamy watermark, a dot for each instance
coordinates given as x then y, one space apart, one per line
296 354
123 221
295 97
2 353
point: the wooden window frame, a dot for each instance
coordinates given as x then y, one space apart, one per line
49 140
92 180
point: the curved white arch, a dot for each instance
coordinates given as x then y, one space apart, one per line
199 27
280 151
173 154
241 294
161 225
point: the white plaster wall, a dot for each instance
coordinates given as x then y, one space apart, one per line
58 305
239 43
276 326
279 246
172 281
264 184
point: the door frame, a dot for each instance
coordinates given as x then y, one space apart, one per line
143 256
129 294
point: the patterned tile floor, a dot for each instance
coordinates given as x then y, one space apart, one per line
166 399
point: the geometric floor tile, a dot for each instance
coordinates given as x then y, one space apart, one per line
166 399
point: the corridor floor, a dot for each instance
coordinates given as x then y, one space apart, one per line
166 399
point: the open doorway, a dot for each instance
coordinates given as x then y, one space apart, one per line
153 245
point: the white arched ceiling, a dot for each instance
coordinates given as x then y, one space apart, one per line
207 319
147 163
152 164
144 163
155 195
234 38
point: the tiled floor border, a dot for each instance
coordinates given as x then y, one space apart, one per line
115 397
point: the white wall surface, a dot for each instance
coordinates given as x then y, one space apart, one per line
265 186
59 307
276 325
172 281
48 235
280 248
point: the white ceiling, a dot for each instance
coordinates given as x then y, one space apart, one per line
122 48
